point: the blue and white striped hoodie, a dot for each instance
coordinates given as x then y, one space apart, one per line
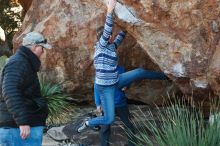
105 57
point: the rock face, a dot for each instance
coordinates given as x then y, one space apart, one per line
182 37
178 37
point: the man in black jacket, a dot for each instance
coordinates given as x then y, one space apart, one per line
23 111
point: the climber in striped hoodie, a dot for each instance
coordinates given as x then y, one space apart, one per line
106 74
105 57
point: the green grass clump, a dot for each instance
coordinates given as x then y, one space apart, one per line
178 125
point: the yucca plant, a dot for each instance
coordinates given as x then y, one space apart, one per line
59 108
177 126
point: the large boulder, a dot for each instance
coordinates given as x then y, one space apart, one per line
71 28
180 37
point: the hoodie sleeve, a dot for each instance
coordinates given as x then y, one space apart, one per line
119 38
107 31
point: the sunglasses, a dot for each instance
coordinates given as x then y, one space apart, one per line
41 42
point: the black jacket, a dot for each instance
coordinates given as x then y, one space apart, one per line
21 102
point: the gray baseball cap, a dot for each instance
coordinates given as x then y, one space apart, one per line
35 38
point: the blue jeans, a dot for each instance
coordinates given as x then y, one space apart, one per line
11 137
107 93
125 79
123 113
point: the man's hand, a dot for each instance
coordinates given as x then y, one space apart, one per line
111 5
24 131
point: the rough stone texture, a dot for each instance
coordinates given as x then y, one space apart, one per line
214 72
56 133
48 141
180 36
